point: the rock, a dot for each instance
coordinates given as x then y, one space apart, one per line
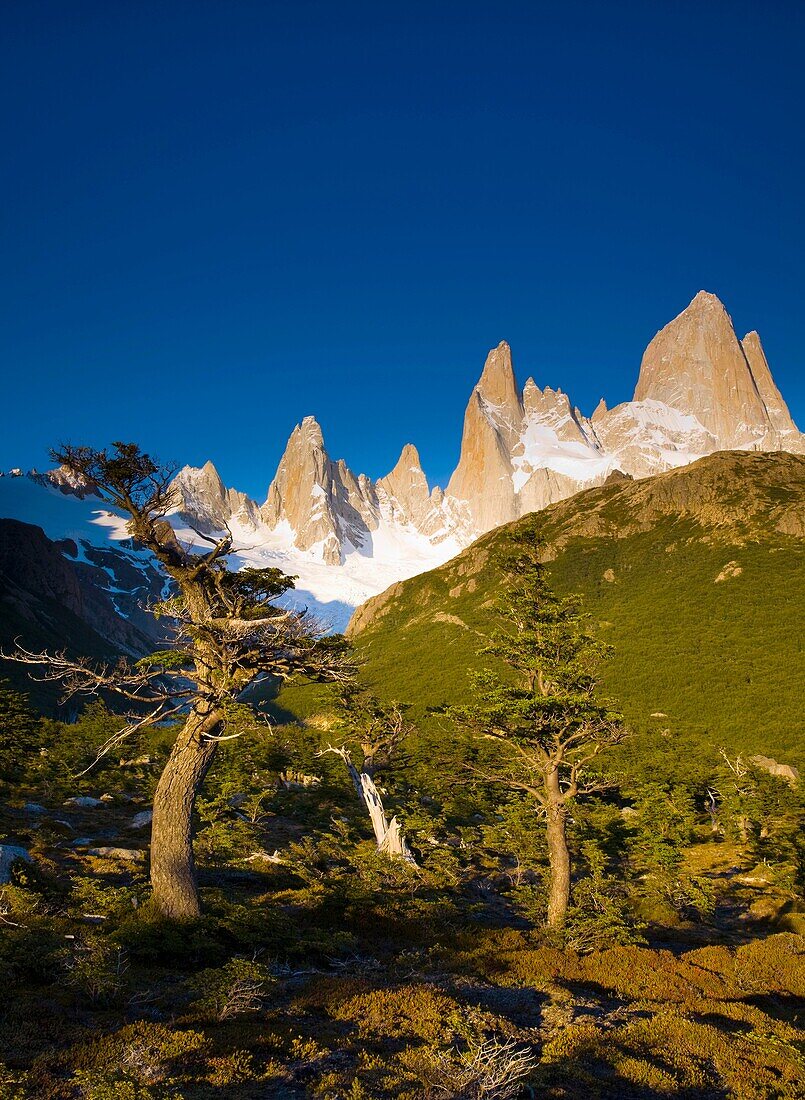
128 855
788 437
730 570
406 496
493 423
784 771
34 808
140 820
207 505
264 857
696 365
322 501
85 802
9 855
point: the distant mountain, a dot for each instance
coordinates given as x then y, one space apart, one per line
70 595
345 537
700 390
693 575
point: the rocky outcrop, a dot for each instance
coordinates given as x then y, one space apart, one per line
206 504
325 507
49 600
405 490
697 366
787 436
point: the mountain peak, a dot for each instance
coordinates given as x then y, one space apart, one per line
696 365
780 417
497 383
409 458
209 472
600 410
310 432
706 300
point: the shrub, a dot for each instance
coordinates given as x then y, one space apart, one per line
412 1011
235 989
147 1053
489 1070
97 968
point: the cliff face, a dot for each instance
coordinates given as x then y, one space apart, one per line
56 598
696 365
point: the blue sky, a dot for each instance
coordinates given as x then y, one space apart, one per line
220 217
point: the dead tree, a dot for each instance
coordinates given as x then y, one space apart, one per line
379 730
227 634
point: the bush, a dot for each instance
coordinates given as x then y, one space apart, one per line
98 969
489 1070
235 989
146 1053
411 1011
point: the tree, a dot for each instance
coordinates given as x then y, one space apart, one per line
226 634
20 734
538 705
379 729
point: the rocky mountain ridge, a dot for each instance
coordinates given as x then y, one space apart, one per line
346 537
700 390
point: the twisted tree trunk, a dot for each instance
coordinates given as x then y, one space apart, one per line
173 871
558 853
388 834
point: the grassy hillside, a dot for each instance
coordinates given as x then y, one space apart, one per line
695 577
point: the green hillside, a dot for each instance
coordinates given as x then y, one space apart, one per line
696 579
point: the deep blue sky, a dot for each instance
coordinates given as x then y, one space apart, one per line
218 217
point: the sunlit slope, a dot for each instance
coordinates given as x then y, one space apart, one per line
695 577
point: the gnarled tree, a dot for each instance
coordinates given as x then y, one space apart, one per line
226 634
538 704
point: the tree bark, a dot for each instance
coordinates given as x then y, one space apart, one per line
558 854
173 871
388 835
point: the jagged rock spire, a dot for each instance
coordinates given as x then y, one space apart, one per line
696 365
320 500
776 407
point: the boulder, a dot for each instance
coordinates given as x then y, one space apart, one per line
783 771
128 855
9 854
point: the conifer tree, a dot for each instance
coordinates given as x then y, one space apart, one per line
538 704
20 733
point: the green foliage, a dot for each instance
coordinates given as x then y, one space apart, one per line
661 828
237 988
600 915
20 735
30 952
712 661
97 968
766 813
